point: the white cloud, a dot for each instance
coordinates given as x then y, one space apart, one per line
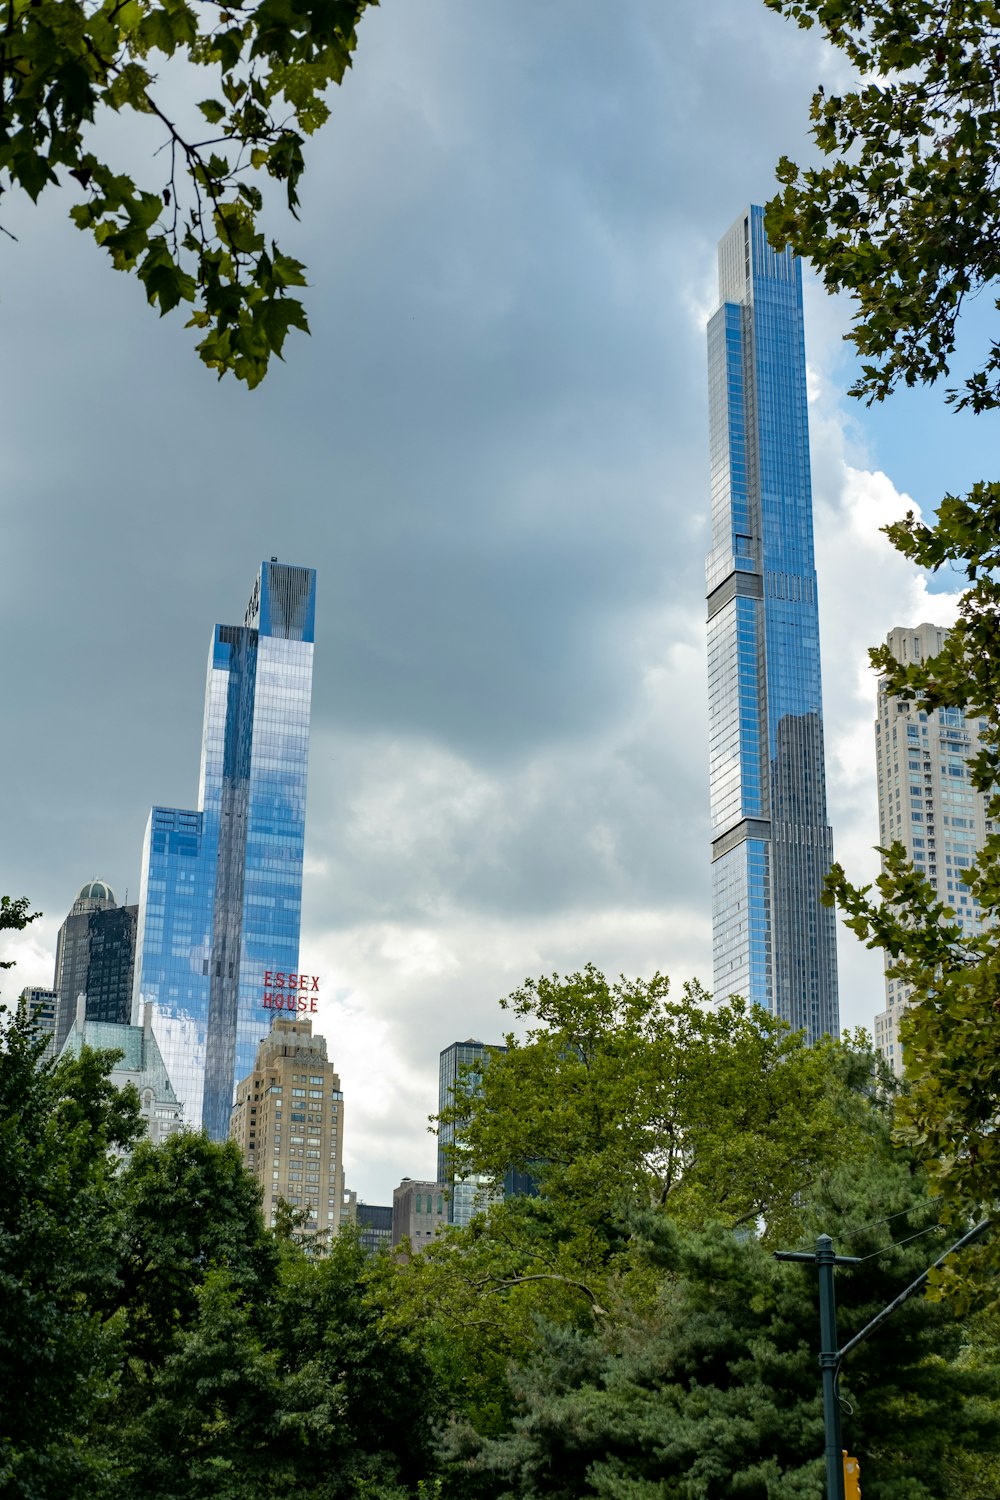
32 951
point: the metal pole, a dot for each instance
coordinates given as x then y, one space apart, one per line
829 1361
830 1356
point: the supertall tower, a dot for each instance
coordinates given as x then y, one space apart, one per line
221 893
771 845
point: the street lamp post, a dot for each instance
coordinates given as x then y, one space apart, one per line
830 1354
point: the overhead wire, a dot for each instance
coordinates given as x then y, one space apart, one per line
848 1234
895 1244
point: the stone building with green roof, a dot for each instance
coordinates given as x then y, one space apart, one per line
141 1064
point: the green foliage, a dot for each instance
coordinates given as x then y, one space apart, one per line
187 1207
712 1392
195 238
15 914
306 1398
211 1423
622 1099
626 1106
903 213
326 1327
156 1338
60 1127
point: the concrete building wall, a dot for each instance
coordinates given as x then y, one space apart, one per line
419 1212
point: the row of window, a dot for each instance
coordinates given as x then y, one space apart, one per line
427 1199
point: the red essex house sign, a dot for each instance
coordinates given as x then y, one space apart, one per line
285 991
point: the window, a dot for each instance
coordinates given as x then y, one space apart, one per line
316 1080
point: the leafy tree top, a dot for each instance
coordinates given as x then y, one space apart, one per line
624 1098
193 236
904 211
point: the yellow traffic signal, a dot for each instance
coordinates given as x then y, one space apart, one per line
852 1477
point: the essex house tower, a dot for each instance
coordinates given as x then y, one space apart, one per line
773 942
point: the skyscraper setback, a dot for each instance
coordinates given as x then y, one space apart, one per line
771 845
221 893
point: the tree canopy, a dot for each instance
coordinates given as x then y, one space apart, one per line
904 212
624 1098
193 233
155 1335
669 1354
600 1337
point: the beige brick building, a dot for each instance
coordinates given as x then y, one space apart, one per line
927 801
288 1121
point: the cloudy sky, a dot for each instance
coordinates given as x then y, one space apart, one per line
494 451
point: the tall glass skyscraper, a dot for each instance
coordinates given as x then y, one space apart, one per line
771 845
221 893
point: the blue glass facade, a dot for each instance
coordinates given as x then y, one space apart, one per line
771 846
221 891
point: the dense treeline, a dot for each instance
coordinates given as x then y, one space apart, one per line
624 1333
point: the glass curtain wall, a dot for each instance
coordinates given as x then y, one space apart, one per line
221 894
771 845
